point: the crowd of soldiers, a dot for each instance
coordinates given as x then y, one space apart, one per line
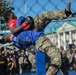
14 62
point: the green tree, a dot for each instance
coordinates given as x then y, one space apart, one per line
4 6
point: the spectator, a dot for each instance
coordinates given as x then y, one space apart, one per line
74 57
14 67
14 54
5 52
32 59
74 66
9 64
69 55
20 60
23 51
26 65
73 60
65 63
3 64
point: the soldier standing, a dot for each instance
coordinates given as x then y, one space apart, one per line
20 61
31 57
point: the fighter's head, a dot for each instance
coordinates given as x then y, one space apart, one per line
9 15
7 38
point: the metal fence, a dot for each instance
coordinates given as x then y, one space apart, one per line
36 7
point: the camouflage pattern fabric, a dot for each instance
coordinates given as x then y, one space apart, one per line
43 44
43 19
32 60
69 56
51 70
20 61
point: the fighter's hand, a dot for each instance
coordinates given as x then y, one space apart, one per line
69 3
28 23
29 20
25 26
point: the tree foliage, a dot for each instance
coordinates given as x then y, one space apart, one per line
4 6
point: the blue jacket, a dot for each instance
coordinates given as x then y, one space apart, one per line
26 38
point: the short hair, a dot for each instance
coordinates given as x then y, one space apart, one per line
7 14
5 37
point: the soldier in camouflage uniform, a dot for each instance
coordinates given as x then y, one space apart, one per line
31 57
20 61
32 60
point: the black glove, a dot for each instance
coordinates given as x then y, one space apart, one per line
29 20
68 13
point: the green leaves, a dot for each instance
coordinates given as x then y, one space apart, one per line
4 6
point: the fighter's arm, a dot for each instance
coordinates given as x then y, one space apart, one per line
15 30
18 26
14 27
26 25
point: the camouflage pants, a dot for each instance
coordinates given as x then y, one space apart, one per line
43 44
43 19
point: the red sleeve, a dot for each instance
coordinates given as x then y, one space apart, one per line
11 24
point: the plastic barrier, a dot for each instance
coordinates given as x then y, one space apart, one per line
72 72
40 62
69 73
